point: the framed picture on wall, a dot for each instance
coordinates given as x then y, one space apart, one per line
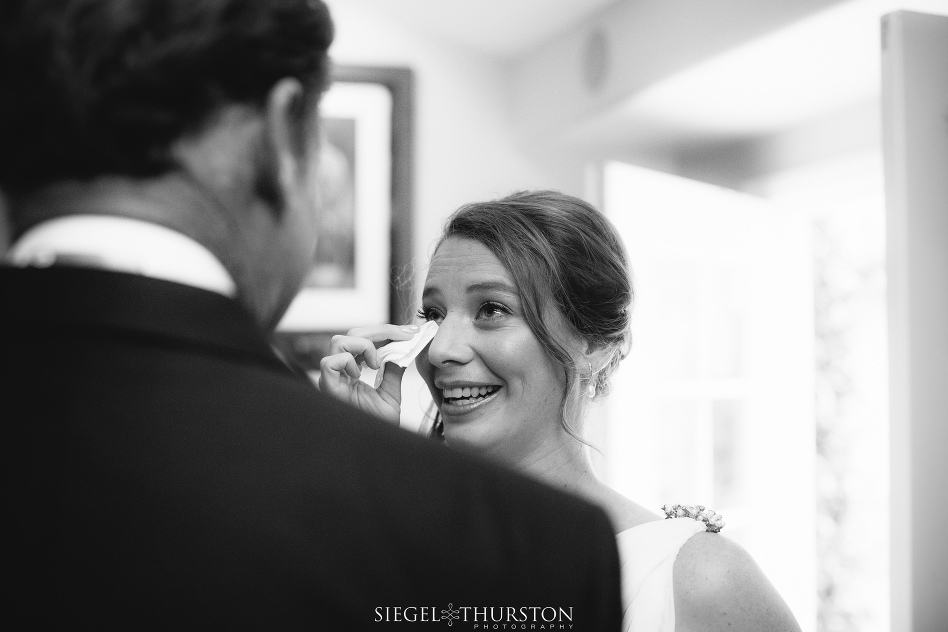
363 186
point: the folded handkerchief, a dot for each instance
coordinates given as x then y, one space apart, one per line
401 352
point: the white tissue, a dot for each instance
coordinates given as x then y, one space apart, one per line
401 352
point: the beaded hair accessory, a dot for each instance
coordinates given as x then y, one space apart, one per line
714 521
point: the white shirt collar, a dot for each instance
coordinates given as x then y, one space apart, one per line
125 245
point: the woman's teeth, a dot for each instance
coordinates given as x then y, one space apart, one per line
472 392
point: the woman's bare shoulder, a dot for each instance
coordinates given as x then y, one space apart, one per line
719 586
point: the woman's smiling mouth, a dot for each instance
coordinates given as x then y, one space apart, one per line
462 399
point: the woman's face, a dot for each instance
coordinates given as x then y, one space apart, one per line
498 390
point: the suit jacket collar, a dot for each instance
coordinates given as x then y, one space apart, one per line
63 298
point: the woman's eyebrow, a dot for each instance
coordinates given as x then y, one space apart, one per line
430 291
484 286
492 286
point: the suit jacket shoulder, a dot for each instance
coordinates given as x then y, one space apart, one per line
170 470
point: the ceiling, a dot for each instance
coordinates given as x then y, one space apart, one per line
500 28
824 63
824 67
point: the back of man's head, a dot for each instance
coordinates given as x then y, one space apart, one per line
104 87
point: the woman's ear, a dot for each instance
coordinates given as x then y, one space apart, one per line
596 357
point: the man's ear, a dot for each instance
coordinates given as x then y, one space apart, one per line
280 163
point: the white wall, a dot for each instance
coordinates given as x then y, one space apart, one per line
466 148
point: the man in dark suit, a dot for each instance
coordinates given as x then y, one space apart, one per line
163 467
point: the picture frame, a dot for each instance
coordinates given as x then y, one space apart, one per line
363 262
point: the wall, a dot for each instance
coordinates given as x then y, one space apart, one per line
466 148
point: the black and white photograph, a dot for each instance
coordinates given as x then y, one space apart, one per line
601 315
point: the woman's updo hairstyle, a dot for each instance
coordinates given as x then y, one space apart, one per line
560 250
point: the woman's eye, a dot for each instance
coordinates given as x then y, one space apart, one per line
429 313
493 310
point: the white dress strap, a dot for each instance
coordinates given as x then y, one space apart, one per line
647 553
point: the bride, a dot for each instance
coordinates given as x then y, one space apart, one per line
531 294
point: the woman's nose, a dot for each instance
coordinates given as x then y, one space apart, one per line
451 343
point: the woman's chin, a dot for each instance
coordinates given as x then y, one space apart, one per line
464 438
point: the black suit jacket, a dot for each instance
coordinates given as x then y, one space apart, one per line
165 470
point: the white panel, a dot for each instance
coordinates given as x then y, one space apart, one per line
915 114
338 309
715 402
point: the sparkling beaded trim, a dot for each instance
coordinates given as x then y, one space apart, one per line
714 521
